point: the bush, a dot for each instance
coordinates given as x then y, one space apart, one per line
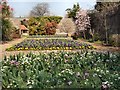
51 28
74 36
6 30
41 25
114 40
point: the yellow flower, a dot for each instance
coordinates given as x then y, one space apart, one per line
31 48
57 47
80 47
67 48
70 47
18 49
26 48
50 48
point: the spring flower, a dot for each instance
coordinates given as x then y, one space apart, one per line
70 82
66 61
28 82
78 74
119 78
105 85
11 9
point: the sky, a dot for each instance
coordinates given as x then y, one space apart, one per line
56 7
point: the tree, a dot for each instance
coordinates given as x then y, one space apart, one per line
6 24
67 25
82 21
72 12
40 10
105 11
50 28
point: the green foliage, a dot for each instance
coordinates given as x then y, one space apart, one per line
38 25
114 40
72 12
6 30
6 24
105 20
85 69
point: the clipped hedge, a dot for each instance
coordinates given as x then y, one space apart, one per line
57 19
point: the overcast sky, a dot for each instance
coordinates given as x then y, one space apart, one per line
57 7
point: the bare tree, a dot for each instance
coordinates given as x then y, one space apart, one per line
67 25
40 9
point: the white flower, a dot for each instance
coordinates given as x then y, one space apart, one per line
78 73
111 82
28 82
95 74
64 78
85 82
30 86
70 82
105 82
59 74
97 70
47 81
107 71
8 86
118 77
63 71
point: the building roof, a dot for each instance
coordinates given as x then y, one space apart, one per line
22 27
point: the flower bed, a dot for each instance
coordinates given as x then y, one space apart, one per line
49 44
62 70
48 36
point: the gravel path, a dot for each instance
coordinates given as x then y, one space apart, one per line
7 45
100 47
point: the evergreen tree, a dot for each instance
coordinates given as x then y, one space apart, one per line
72 12
6 25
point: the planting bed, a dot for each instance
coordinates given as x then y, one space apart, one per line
62 70
49 44
48 36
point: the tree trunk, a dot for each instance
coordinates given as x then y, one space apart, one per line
84 34
106 31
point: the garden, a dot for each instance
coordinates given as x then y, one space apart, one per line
85 69
62 60
49 44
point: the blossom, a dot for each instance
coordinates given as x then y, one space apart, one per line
78 74
82 21
14 62
105 85
12 9
70 82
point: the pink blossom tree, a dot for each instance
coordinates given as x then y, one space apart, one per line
82 21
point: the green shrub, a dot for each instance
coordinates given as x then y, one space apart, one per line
37 25
114 40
